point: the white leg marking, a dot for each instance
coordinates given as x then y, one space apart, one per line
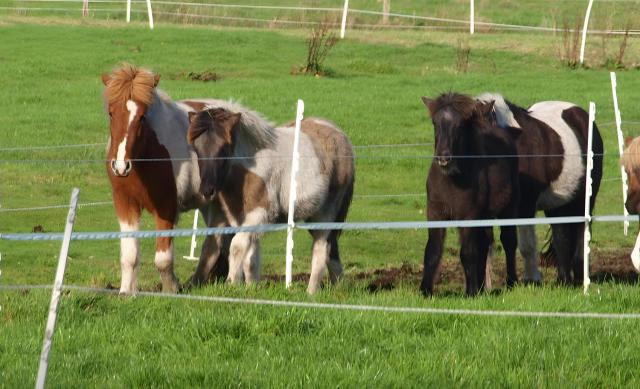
129 254
242 252
164 263
164 259
635 254
319 261
528 246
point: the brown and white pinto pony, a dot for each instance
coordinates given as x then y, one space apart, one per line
631 162
245 163
552 151
151 166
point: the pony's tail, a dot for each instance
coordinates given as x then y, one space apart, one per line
344 207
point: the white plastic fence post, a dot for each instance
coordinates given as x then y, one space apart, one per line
57 291
128 11
193 238
472 17
623 173
584 31
587 199
344 18
85 8
295 164
150 14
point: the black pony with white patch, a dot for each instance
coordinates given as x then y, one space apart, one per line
552 150
470 179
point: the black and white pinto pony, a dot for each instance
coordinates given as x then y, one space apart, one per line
470 179
245 165
552 152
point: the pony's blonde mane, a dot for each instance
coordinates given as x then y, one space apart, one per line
258 130
631 157
130 83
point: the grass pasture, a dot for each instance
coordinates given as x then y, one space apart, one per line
51 95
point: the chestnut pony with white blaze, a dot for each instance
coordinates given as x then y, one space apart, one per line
151 166
245 163
552 150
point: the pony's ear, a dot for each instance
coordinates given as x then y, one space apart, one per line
105 78
156 80
485 108
627 141
228 124
191 115
430 104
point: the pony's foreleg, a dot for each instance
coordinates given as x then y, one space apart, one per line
432 255
211 255
129 258
509 239
528 245
164 258
244 252
251 261
319 259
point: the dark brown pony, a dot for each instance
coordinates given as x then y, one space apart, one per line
470 178
150 166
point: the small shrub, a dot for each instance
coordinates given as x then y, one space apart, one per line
319 43
570 51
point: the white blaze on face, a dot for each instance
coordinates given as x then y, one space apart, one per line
132 107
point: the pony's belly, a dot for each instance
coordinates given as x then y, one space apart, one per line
550 200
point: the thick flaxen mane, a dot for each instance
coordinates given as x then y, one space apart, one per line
252 125
631 157
463 104
504 116
130 83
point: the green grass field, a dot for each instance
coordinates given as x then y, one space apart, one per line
51 95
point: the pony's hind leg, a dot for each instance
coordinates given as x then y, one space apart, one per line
528 245
334 265
129 258
164 258
320 259
563 244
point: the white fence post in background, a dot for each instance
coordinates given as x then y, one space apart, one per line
85 8
150 14
57 291
194 243
128 11
584 31
587 199
344 18
623 173
295 162
472 17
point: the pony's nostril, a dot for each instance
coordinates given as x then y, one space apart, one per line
113 167
127 167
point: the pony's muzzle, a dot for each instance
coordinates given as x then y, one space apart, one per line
121 168
444 161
